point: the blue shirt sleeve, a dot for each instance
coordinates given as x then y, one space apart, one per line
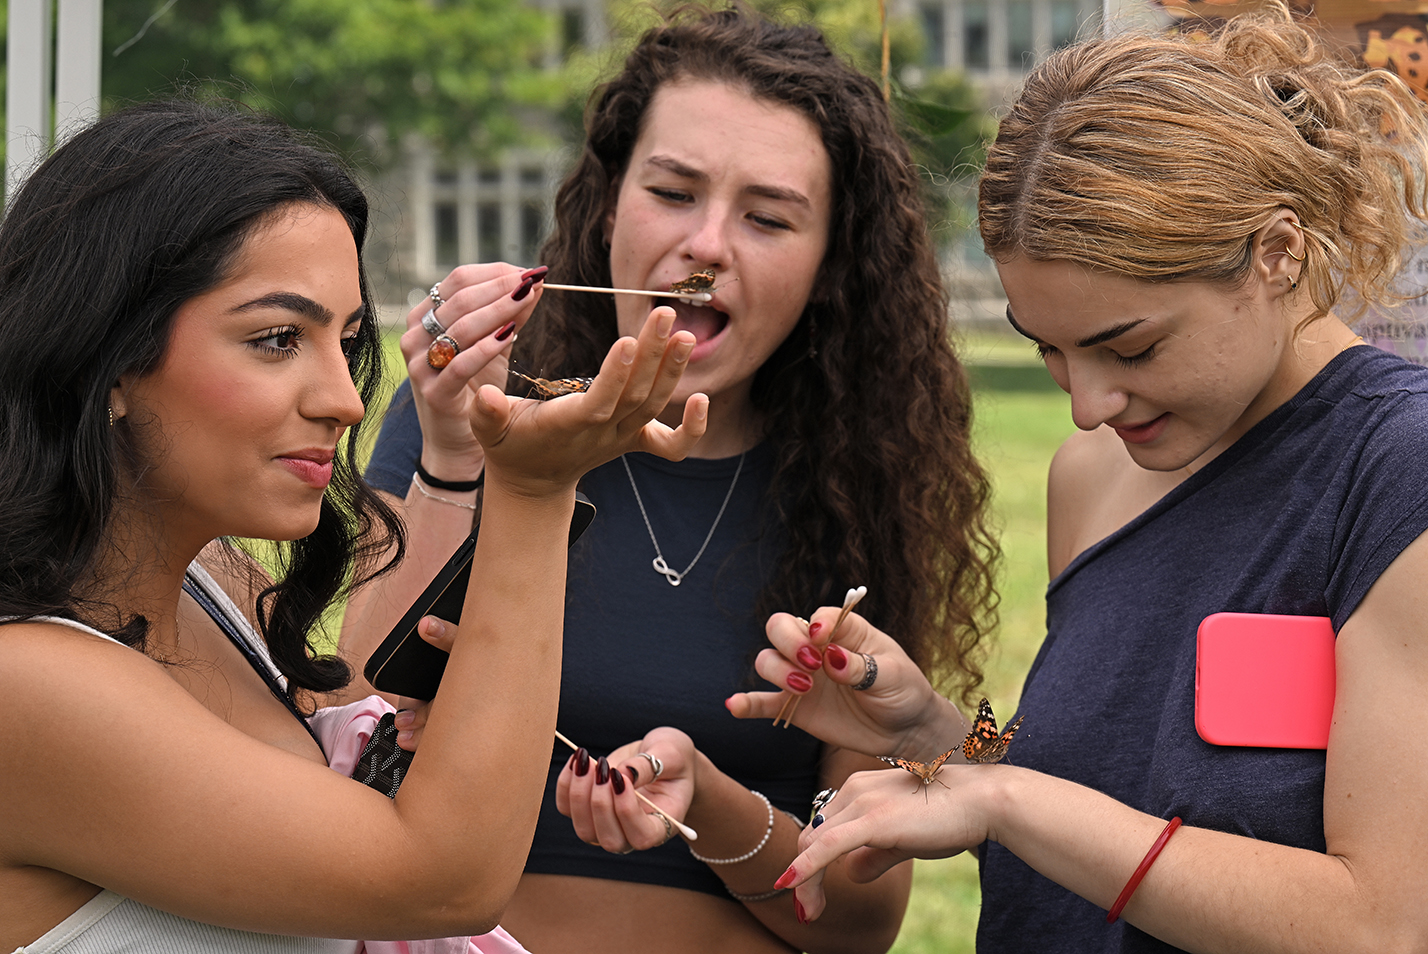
398 449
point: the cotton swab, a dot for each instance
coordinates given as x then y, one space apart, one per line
851 600
687 296
689 833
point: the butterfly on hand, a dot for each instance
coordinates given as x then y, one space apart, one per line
923 770
542 390
983 745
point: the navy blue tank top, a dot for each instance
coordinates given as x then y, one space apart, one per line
640 653
1300 516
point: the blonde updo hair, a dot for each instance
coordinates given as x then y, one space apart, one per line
1160 156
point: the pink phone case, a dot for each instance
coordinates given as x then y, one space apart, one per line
1265 680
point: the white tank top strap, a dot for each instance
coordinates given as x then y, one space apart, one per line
72 624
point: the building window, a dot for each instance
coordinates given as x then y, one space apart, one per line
488 232
448 242
532 231
1065 22
975 35
934 27
1021 43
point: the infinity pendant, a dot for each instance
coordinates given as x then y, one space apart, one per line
661 567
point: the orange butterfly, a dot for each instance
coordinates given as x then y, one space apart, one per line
983 745
542 390
923 770
697 282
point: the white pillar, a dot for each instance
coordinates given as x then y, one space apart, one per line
27 89
77 59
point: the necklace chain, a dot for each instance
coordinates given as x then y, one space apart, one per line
675 577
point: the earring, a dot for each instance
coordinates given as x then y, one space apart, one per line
111 415
1297 258
1293 285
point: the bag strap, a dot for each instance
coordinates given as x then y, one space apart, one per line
279 691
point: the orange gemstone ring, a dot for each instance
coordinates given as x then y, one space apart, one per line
442 351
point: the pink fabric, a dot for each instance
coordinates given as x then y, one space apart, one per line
344 731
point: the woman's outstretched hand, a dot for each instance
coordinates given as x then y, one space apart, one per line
880 819
598 794
898 714
539 446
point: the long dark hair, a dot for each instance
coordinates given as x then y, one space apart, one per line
875 480
108 237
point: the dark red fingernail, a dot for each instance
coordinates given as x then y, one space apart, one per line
798 911
582 762
523 289
808 657
837 658
505 331
617 781
535 274
634 773
814 629
798 682
786 879
602 771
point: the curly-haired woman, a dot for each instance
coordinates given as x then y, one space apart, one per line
836 455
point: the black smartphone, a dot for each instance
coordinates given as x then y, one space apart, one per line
407 665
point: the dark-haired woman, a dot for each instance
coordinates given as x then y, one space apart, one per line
185 349
836 455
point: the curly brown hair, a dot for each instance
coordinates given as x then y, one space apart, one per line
1160 156
874 481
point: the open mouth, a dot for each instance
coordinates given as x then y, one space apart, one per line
702 321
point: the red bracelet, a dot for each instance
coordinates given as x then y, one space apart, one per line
1145 863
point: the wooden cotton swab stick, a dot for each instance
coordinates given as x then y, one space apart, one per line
689 833
851 600
687 296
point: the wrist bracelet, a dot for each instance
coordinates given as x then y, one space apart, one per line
747 898
459 486
748 854
1145 863
416 482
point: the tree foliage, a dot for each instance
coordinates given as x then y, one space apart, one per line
462 73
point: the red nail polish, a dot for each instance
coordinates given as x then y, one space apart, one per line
634 774
504 332
837 658
602 771
814 629
522 290
798 911
582 762
798 682
808 657
535 274
617 781
786 879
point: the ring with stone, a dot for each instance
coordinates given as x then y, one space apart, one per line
442 351
435 295
432 326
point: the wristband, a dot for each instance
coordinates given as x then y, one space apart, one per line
1145 863
456 485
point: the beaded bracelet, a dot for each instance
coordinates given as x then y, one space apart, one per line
1145 863
748 854
416 482
460 486
749 898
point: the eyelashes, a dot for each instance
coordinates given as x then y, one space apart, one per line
1043 351
282 342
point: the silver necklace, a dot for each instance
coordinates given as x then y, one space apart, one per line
676 577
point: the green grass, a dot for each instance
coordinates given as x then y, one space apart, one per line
1017 431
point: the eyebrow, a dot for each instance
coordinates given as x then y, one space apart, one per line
1100 337
309 309
777 193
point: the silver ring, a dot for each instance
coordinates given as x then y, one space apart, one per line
432 326
871 665
668 828
655 764
820 802
625 852
818 819
435 295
